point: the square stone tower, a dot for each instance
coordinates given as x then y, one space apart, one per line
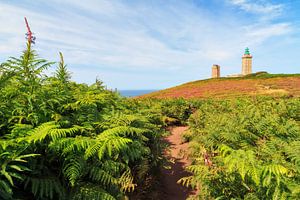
246 62
215 71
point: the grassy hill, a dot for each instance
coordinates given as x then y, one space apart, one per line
260 83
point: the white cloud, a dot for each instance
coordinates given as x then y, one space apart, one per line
145 37
260 34
259 7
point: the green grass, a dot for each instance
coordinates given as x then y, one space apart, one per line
267 75
257 75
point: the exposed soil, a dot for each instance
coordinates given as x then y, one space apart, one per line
177 154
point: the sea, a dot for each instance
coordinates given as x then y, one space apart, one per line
134 93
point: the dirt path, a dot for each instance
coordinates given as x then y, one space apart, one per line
176 153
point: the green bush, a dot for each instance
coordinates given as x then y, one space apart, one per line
252 147
63 140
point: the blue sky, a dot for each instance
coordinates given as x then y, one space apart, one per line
155 44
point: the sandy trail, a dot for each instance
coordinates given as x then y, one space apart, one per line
177 153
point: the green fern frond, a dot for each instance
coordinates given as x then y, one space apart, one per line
102 176
52 131
91 191
20 130
197 169
107 142
244 162
45 187
143 169
114 167
5 190
135 151
273 170
126 131
58 133
74 168
293 152
71 145
42 131
225 150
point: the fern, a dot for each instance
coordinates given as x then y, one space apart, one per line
273 170
293 152
5 190
244 162
61 73
45 187
92 143
52 131
91 191
74 168
12 166
187 181
107 142
105 177
70 145
254 147
102 176
126 182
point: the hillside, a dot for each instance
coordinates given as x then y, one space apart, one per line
262 84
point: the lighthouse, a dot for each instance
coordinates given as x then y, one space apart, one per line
246 63
215 71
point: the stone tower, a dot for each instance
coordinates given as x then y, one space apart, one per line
215 71
246 62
